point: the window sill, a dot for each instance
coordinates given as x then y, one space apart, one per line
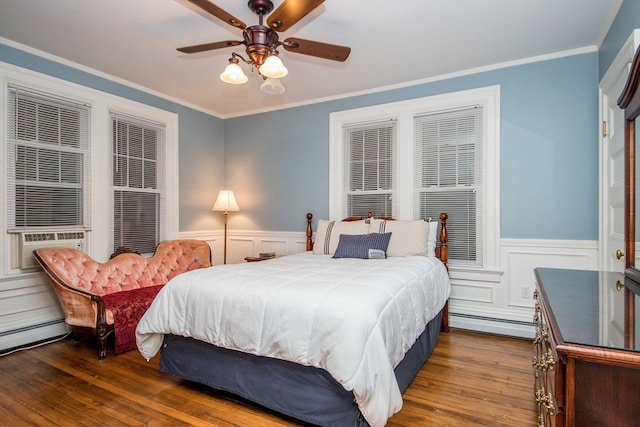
475 274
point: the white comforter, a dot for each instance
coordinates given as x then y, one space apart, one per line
354 318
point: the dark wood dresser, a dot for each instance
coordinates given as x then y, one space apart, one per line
586 349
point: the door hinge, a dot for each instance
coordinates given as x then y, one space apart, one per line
605 128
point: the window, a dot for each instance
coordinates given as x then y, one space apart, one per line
137 195
48 157
369 171
448 164
414 159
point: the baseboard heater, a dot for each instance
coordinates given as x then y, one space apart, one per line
508 327
27 336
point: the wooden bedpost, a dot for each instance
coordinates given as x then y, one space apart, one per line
444 326
444 256
444 249
309 232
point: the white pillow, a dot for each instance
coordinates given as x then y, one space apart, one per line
408 237
328 234
432 240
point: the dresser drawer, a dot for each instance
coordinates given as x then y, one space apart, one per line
548 371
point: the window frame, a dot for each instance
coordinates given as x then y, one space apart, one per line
369 195
450 178
125 188
99 237
404 112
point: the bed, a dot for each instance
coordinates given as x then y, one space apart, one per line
328 336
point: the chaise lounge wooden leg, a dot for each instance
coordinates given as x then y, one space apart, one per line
101 327
102 353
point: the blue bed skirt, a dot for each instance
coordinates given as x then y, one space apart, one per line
305 393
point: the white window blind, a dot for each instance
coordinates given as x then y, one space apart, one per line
48 161
137 145
369 171
448 177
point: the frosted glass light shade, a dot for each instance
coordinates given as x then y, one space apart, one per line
273 67
272 87
233 74
226 201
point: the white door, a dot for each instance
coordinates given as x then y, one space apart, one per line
612 159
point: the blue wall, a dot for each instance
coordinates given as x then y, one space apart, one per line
278 162
200 137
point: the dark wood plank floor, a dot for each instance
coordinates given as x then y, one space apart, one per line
470 380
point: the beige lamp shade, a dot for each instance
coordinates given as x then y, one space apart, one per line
233 74
272 86
273 67
226 201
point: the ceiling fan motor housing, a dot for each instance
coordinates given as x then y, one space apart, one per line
260 41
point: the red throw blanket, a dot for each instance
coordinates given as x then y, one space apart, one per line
127 308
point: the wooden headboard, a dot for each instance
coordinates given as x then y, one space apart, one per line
442 251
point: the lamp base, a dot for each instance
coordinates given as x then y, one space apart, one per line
226 215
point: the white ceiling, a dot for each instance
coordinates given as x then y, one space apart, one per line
393 42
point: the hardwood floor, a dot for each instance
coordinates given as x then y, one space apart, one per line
471 379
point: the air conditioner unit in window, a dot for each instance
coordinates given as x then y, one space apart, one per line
47 239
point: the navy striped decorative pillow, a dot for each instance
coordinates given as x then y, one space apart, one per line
365 246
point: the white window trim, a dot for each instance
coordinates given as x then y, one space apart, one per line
99 237
404 112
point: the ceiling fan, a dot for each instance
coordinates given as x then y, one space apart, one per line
262 41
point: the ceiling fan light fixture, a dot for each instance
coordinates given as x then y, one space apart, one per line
262 41
273 67
272 86
233 73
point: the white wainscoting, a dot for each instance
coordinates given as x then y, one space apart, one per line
249 243
29 311
502 303
490 301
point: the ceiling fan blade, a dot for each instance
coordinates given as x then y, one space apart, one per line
209 46
321 50
219 13
290 12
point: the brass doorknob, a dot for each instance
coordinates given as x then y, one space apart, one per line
619 254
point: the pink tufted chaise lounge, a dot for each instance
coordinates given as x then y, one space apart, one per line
90 292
